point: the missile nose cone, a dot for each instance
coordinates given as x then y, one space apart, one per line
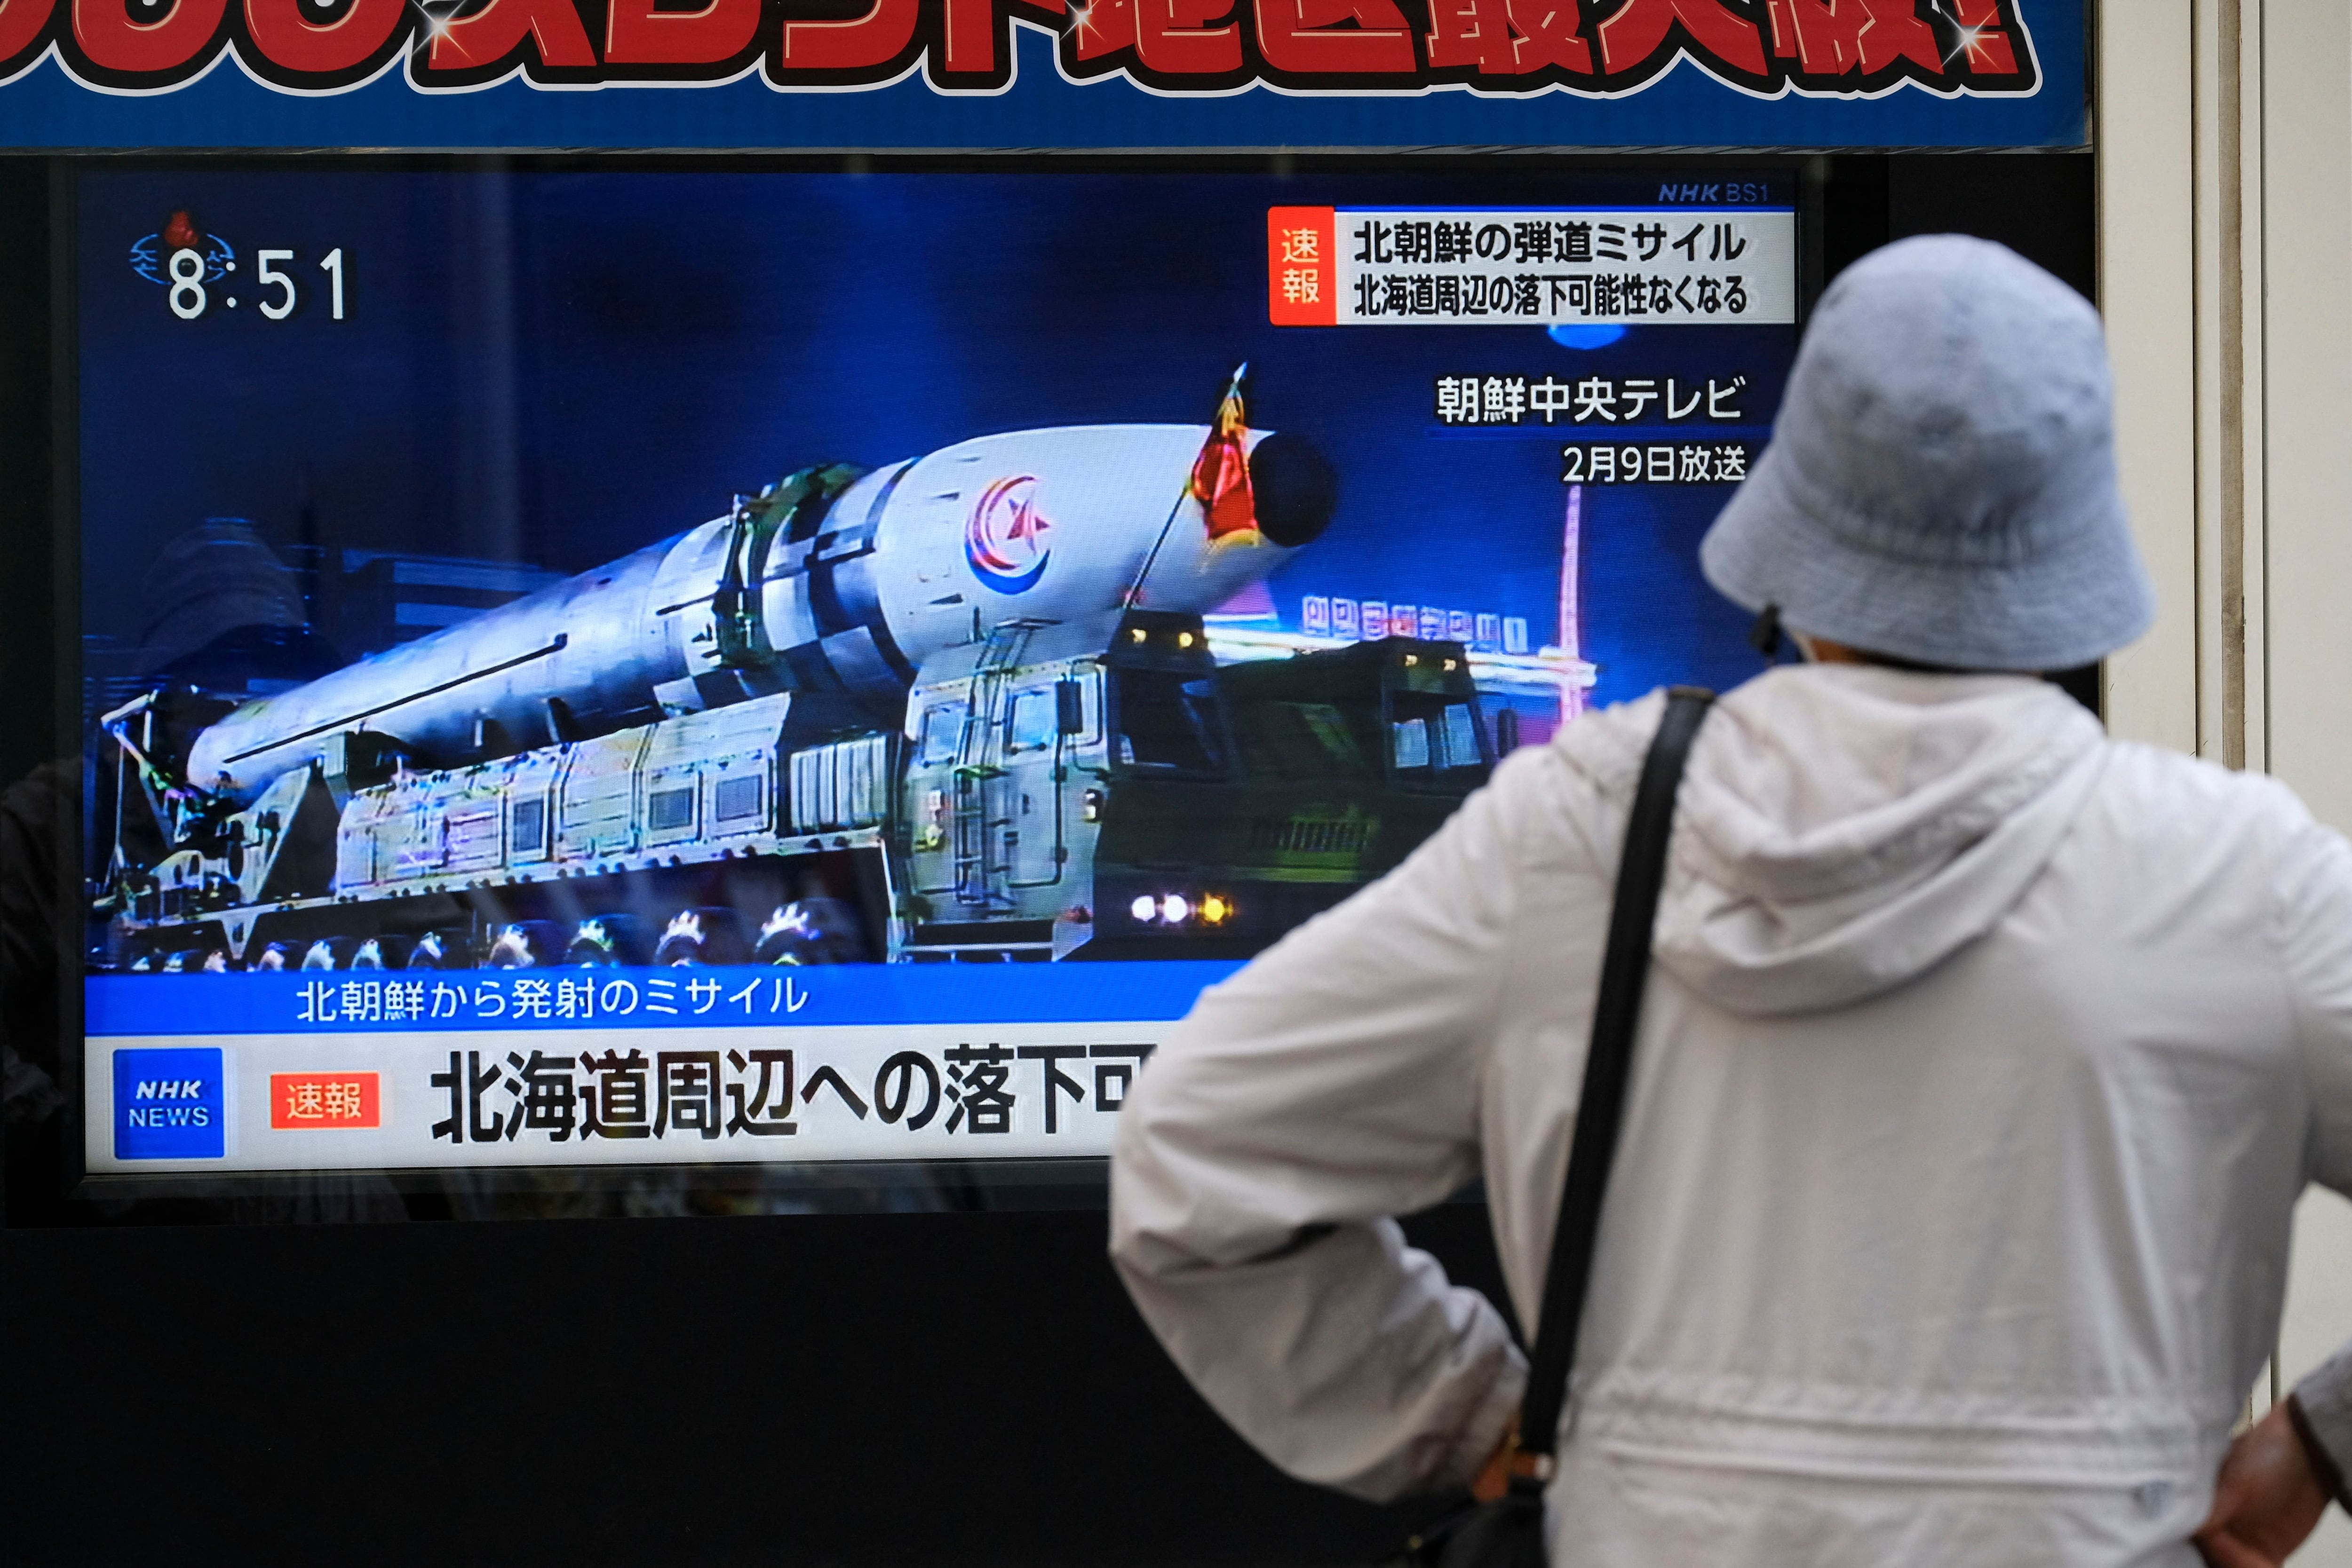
1293 488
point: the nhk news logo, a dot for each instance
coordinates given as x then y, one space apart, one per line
171 1103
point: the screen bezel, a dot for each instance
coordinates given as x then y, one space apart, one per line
854 1187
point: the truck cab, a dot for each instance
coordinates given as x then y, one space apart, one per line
1110 791
1335 764
1007 749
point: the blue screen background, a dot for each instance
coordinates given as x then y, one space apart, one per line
557 369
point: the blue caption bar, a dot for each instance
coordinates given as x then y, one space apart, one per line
163 1006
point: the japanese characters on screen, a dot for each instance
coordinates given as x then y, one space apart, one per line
587 668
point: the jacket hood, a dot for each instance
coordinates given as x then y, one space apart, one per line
1843 829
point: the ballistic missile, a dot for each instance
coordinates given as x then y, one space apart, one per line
837 579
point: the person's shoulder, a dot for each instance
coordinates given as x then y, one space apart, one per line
1604 746
2175 785
1567 794
2171 806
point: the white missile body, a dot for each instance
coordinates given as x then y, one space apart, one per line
1070 514
1048 525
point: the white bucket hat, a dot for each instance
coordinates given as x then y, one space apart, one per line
1941 485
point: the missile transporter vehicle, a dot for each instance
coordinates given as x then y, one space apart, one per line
963 708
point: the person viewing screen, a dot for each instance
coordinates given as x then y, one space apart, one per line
1981 1062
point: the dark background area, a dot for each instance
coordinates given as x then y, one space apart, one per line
554 368
944 1389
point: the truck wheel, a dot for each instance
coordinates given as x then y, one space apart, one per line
607 940
383 953
330 953
812 931
440 951
528 945
705 935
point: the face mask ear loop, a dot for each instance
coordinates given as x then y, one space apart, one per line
1765 635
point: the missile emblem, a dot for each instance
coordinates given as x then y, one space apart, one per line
1004 540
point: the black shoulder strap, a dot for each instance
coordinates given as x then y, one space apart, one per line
1624 968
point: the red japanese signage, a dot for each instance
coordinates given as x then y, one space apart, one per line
1302 273
325 1100
1838 47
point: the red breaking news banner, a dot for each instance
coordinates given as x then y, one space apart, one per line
1302 276
325 1100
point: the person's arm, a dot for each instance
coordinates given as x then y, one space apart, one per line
1332 1084
2316 905
2320 1410
2269 1496
2280 1473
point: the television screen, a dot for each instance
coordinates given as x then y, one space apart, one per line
626 665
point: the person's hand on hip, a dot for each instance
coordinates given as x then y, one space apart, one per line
2267 1500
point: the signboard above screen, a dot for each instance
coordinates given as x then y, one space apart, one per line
969 74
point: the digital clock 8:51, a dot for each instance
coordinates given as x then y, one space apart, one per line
189 298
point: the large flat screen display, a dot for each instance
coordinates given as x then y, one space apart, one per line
649 666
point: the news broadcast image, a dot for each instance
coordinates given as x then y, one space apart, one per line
640 667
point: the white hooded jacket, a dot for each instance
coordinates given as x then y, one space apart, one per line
1981 1065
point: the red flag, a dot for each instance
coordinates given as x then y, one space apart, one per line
1221 480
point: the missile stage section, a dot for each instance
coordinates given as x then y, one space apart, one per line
1056 793
961 708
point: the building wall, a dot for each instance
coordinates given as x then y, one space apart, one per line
2300 403
2223 128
